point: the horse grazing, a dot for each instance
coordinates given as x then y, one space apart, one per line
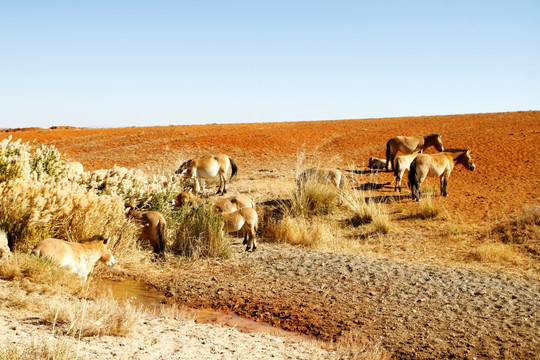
207 168
80 258
329 176
411 144
376 163
245 220
402 164
220 204
323 176
154 228
440 165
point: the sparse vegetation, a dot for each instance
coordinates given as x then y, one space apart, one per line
91 317
39 350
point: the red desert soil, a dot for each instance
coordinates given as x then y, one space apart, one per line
414 310
504 147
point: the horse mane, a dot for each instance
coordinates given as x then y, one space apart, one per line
184 166
431 135
93 240
454 150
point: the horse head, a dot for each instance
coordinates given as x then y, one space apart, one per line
467 161
105 252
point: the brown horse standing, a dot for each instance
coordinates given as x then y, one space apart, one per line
207 168
154 228
245 220
440 165
410 144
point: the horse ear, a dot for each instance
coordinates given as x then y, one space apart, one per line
440 136
468 152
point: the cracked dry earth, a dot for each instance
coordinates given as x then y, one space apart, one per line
414 311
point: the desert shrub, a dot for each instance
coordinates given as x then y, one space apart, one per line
134 187
196 232
21 160
31 210
41 350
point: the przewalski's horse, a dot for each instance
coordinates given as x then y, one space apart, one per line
329 176
245 220
80 258
154 228
220 204
207 168
440 165
410 144
376 163
402 164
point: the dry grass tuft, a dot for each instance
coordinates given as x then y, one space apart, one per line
367 213
196 232
39 350
91 317
309 232
497 253
355 345
31 271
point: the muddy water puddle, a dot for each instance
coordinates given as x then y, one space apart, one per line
140 294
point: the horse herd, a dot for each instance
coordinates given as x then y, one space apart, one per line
238 212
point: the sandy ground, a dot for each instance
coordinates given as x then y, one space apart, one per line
157 337
415 310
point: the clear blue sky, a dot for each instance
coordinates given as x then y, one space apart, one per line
136 63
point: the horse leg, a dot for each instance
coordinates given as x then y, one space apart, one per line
197 185
444 183
224 179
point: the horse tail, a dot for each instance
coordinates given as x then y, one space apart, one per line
414 184
162 237
234 168
388 154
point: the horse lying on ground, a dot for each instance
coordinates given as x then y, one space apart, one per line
402 164
410 144
207 168
220 204
376 163
154 228
440 165
80 258
245 220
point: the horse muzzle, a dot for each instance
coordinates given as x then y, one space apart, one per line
472 167
111 262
